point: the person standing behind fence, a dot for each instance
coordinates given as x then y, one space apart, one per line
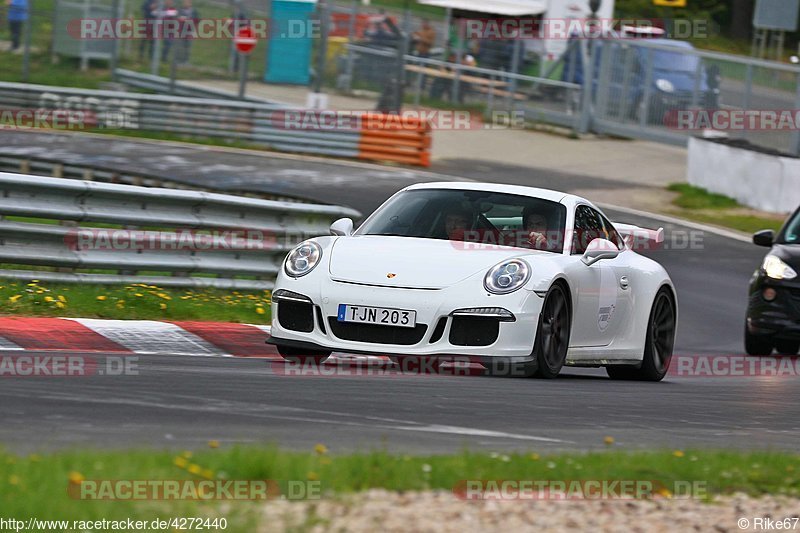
149 15
188 16
17 15
424 39
170 13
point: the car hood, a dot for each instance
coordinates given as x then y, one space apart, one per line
411 262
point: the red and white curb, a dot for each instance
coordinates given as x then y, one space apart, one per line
140 337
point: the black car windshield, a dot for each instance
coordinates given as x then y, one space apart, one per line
792 233
472 216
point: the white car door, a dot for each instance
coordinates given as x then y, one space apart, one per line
601 290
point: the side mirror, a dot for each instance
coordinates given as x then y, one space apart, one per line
765 237
599 249
342 227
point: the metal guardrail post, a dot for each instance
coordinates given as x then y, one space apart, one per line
796 132
644 107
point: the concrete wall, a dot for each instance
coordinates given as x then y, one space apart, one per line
757 180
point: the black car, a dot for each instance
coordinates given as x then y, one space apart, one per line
773 311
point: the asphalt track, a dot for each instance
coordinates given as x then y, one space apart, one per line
184 401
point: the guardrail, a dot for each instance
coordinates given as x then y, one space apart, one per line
162 85
263 124
106 233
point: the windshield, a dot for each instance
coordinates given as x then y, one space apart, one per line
471 216
674 61
792 233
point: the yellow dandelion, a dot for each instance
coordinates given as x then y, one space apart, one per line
102 298
180 462
208 473
608 440
313 476
61 305
260 310
13 299
76 478
34 458
138 294
194 469
678 453
162 306
187 454
49 299
13 479
535 457
663 491
325 460
321 449
32 284
213 444
61 298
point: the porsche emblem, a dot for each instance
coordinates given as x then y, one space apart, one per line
390 275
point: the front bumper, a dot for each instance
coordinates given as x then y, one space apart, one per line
436 328
779 318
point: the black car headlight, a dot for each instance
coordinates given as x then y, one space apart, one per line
302 259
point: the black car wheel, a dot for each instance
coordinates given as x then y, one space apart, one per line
755 344
658 343
787 347
552 336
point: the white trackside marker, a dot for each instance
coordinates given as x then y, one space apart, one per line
150 337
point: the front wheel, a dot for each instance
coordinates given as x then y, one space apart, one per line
658 346
302 357
756 344
552 335
787 347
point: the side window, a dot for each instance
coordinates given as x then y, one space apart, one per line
588 227
613 234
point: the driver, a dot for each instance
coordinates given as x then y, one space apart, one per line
456 223
535 224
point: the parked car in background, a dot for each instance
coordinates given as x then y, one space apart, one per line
622 85
773 312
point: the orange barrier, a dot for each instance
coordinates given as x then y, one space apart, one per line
395 138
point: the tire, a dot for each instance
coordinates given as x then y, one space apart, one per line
659 342
302 357
787 347
755 344
552 335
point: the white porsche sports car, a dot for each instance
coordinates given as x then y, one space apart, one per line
521 280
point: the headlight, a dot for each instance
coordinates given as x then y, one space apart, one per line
507 277
302 259
665 85
777 269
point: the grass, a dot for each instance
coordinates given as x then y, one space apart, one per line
139 301
26 483
700 205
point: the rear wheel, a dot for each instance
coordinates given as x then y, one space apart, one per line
756 345
552 335
787 347
301 356
658 343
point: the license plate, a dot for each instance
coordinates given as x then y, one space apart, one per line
377 315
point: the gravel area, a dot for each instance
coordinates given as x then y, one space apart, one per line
378 510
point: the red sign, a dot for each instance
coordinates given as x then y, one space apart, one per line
245 40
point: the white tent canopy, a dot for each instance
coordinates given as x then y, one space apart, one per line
509 8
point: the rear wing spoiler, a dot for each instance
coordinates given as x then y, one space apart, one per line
636 237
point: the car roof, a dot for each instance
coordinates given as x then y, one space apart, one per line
534 192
